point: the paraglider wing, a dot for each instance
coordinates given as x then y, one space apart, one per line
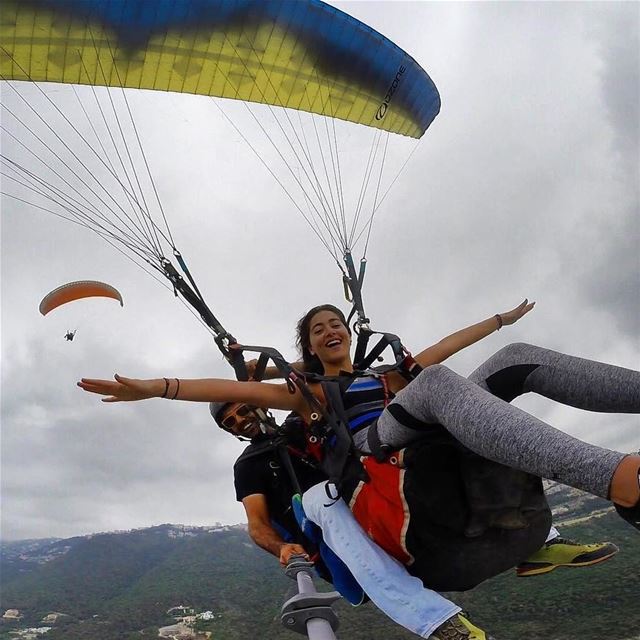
75 291
303 55
262 55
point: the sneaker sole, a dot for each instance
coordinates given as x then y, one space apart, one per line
536 570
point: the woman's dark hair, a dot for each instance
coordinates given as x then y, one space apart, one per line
312 363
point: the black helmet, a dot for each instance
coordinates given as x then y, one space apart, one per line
217 409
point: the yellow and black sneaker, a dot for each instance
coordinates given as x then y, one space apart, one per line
459 628
561 552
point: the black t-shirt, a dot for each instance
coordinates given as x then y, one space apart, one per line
264 473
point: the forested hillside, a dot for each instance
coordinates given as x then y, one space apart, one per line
114 585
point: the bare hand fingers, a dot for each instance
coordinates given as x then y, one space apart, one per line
103 387
521 306
524 308
515 314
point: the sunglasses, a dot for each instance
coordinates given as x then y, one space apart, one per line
241 412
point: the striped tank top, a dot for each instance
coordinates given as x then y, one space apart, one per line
364 396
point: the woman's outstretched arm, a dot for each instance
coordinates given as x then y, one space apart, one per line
439 352
121 389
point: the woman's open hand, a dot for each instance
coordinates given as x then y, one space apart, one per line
509 317
124 389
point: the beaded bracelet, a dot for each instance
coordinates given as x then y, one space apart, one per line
175 395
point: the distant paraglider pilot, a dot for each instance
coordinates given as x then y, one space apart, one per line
72 291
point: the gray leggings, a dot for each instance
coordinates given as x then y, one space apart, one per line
476 412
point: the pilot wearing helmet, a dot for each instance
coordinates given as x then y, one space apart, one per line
262 482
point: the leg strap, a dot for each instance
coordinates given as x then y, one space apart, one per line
402 416
378 450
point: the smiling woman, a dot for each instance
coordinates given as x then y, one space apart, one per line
323 337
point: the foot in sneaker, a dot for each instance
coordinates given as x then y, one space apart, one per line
459 628
560 552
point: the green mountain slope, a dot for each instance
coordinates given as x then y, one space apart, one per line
114 585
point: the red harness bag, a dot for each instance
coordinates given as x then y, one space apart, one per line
381 508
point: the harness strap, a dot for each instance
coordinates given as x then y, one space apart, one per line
404 362
193 296
261 367
273 443
409 368
387 339
379 451
340 462
255 449
285 457
364 334
387 391
404 417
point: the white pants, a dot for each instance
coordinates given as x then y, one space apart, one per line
398 594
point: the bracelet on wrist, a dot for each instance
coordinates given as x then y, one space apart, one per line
175 395
498 317
166 387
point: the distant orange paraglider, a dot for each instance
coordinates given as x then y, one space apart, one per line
76 291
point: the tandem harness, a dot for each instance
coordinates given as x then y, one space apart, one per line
329 424
330 434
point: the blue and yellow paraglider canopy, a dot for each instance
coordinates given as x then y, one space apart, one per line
303 55
286 55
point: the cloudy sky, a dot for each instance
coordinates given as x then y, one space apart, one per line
526 185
